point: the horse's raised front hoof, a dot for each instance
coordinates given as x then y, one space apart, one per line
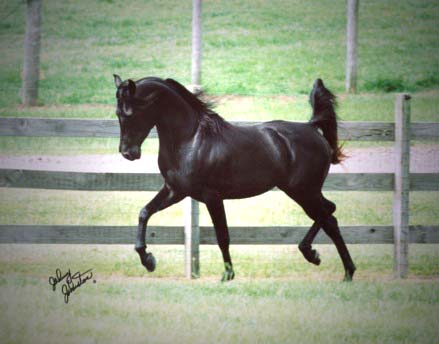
147 259
228 274
149 263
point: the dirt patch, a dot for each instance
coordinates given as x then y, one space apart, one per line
423 159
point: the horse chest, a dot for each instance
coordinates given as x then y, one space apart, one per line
177 179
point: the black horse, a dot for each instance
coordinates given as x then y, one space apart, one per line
207 158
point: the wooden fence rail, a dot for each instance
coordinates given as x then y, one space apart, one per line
93 181
48 127
172 235
191 234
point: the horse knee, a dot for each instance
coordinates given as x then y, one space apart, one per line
332 221
330 225
143 215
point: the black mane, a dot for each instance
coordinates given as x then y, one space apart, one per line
209 120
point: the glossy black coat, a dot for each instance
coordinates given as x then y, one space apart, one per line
207 158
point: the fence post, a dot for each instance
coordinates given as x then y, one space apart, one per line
32 44
402 185
196 45
351 46
192 238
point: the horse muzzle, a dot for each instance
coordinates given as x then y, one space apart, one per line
131 154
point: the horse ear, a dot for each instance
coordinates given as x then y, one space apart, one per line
117 80
131 87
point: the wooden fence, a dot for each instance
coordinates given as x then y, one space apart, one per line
191 234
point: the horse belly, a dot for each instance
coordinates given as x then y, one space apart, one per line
245 191
245 181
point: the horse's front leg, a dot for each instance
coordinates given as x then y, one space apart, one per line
218 215
164 199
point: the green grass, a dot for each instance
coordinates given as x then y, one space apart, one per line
18 206
374 262
263 48
276 297
362 107
207 312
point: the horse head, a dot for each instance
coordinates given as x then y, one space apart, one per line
136 118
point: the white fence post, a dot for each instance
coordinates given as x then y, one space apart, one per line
402 185
191 238
351 46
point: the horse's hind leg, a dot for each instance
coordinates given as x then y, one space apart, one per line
330 226
305 245
320 210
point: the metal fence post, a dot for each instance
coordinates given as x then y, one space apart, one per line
402 185
191 238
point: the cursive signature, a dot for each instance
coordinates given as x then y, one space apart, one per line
71 282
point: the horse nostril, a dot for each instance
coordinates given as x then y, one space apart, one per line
126 155
131 155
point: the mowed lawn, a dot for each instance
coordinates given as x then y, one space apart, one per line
276 297
264 48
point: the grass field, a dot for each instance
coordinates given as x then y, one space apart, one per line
21 206
263 48
276 297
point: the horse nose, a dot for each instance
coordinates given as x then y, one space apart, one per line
131 154
127 155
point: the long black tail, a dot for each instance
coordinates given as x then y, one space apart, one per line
324 117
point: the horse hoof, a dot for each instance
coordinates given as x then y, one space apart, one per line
316 259
310 255
349 274
149 263
228 274
313 257
347 278
146 258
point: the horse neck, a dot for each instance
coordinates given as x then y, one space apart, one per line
176 125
